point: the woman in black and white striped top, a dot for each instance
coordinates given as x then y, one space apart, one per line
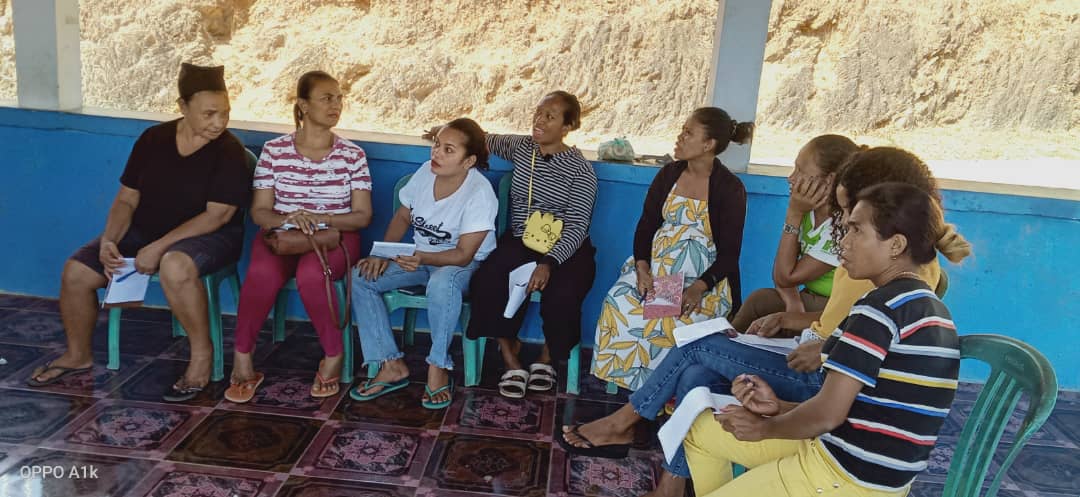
563 184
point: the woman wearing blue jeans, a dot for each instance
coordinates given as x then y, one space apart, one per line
451 208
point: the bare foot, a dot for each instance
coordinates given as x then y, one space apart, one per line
669 485
437 378
66 360
197 374
243 368
616 428
510 348
390 372
329 369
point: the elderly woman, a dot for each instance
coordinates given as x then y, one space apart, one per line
891 374
178 213
308 178
550 178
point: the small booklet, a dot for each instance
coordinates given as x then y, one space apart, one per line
782 346
126 288
674 431
665 299
702 329
390 250
519 282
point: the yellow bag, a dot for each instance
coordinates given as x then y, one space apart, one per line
542 230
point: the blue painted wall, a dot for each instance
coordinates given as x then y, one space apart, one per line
61 172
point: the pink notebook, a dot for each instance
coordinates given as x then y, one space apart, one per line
665 299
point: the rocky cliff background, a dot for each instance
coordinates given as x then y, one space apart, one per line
951 79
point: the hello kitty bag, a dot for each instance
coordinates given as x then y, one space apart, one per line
542 230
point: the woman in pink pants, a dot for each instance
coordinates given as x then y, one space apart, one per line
308 178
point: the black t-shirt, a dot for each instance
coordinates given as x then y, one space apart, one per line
173 189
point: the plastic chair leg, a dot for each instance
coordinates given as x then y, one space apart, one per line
213 307
410 327
612 388
114 338
279 316
346 334
573 370
471 350
372 370
177 328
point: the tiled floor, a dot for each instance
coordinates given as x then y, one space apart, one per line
284 443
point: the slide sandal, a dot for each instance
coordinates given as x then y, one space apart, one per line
513 384
541 377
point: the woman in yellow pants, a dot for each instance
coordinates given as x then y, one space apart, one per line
891 366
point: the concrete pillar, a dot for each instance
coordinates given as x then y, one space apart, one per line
47 64
742 27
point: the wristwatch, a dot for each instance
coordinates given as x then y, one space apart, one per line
791 229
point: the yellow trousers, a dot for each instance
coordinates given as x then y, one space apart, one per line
775 468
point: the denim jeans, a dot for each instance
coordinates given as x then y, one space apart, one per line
446 285
714 361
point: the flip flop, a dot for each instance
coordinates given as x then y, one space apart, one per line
330 386
541 377
244 391
181 394
33 381
387 387
428 404
612 451
513 384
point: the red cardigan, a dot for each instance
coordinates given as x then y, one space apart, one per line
727 214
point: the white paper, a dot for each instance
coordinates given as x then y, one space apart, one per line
128 285
674 431
519 281
390 250
691 332
783 346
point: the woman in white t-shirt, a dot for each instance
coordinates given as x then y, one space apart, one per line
451 207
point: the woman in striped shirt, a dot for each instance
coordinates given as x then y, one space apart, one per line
305 179
558 180
892 373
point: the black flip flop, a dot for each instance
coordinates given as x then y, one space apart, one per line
33 381
175 394
612 451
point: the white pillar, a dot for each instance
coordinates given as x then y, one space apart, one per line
742 27
47 64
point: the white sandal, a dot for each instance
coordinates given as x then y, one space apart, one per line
541 377
514 383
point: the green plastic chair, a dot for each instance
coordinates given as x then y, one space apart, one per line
1015 368
280 308
212 283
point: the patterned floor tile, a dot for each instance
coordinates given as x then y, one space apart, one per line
502 466
1066 418
98 476
152 381
485 412
30 417
400 408
18 357
367 452
572 410
131 429
23 302
288 393
247 440
1045 469
170 479
11 454
296 352
98 382
298 486
31 327
935 489
574 475
1046 435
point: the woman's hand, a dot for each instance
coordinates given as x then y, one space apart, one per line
372 267
305 221
539 279
767 326
755 395
691 298
110 257
644 279
148 258
745 425
409 263
807 194
806 357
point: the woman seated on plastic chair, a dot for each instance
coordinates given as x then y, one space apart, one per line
304 179
451 208
178 214
891 374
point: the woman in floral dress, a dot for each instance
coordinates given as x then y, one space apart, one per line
691 223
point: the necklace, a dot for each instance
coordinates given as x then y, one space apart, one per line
905 274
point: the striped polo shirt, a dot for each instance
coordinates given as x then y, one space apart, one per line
899 341
323 186
565 185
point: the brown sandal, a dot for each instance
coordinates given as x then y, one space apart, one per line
328 387
242 392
